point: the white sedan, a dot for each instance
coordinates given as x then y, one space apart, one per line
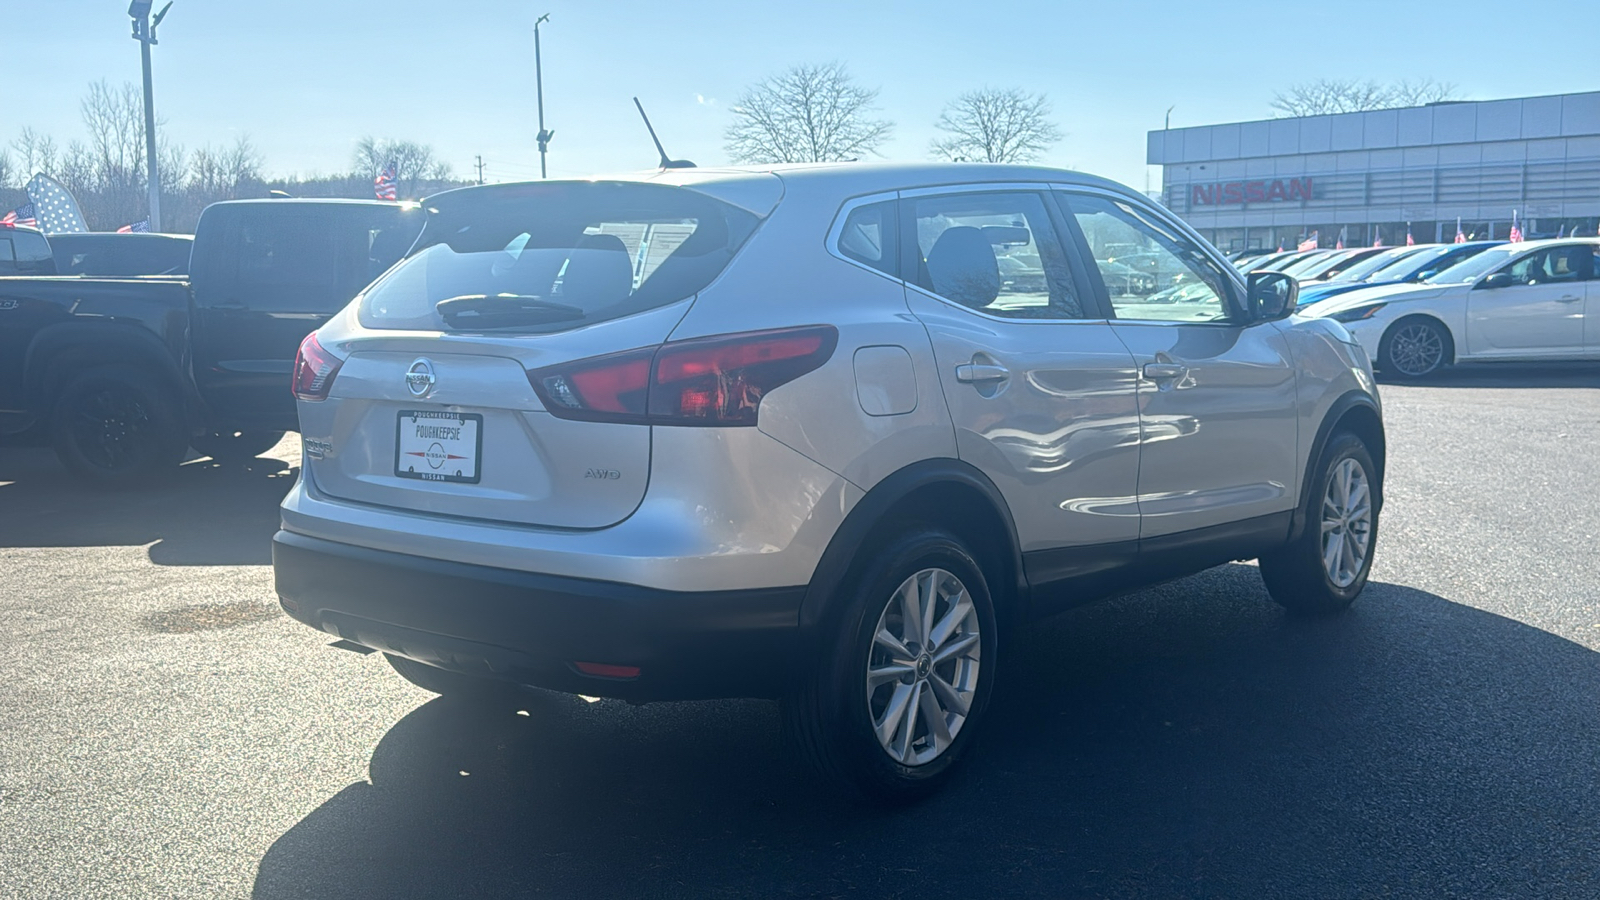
1538 300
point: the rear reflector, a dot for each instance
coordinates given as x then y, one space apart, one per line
314 368
715 381
602 670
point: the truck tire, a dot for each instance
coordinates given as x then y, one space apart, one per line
116 426
897 695
235 446
1322 571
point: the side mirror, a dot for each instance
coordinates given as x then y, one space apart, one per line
1498 280
1270 296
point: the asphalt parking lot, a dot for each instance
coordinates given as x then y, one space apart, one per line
166 732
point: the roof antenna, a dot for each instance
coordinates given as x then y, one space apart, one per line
666 163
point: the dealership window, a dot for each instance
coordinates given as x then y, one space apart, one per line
1151 270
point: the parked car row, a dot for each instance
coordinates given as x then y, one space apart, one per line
1418 309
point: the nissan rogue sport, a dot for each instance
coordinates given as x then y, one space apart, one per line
831 434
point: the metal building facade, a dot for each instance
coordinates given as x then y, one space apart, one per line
1369 176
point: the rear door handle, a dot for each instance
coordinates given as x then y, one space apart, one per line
977 373
1569 298
1164 371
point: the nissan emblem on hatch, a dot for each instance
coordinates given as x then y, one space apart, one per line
419 378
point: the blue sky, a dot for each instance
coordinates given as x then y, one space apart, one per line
306 79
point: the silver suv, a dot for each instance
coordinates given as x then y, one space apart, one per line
831 434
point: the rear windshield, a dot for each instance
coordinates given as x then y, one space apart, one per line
551 257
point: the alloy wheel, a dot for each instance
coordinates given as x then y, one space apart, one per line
922 670
1346 523
111 426
1416 349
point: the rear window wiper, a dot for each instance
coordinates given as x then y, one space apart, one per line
504 311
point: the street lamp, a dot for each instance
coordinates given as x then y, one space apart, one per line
538 80
144 31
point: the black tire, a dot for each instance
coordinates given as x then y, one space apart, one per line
454 685
1414 348
117 426
1296 576
235 446
829 718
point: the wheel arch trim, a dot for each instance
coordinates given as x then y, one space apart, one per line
1356 407
901 492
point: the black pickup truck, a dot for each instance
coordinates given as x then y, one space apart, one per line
125 374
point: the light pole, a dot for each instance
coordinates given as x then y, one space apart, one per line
144 31
538 81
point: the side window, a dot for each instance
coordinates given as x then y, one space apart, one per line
6 253
31 247
1150 270
994 252
868 237
1556 264
287 251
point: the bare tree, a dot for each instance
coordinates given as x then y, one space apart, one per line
810 113
36 151
219 173
1421 92
115 122
7 171
1329 96
414 162
998 125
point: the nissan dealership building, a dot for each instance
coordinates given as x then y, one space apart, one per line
1373 175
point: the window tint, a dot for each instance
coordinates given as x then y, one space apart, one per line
1150 270
1552 265
994 252
6 253
868 236
552 257
30 247
286 251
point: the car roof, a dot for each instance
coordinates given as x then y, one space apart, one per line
841 179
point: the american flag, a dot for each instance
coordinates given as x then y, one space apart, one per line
384 184
140 227
1338 244
1377 237
1516 232
55 206
22 215
1410 241
1461 236
1309 243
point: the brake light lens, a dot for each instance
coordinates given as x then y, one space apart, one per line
314 368
717 381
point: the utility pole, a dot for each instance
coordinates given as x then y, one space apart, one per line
144 31
538 81
480 168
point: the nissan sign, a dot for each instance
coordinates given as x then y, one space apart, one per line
1231 193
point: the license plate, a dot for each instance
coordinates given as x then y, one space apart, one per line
438 446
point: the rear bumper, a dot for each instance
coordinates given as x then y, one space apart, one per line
531 629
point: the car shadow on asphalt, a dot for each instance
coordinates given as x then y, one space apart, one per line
1186 741
203 514
1509 375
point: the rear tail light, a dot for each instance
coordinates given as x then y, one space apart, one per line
716 381
314 368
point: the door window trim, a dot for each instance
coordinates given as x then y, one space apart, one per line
1232 302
